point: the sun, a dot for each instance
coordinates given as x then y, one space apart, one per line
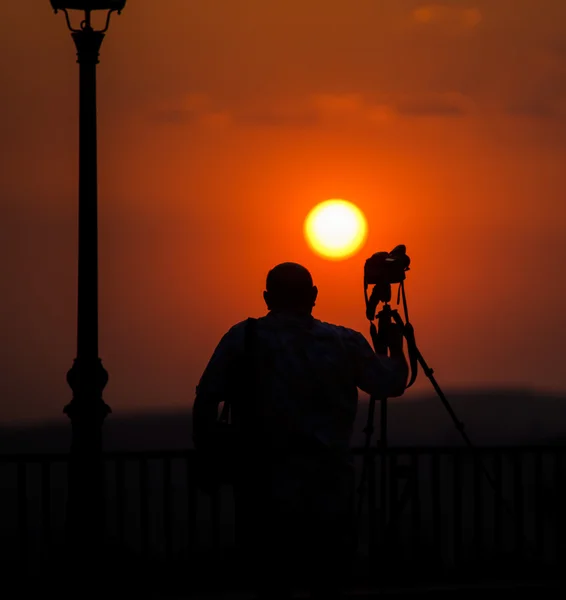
335 229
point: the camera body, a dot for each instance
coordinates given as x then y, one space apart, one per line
386 268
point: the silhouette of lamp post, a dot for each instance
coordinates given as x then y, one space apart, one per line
87 377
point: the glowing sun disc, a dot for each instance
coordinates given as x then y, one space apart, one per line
335 229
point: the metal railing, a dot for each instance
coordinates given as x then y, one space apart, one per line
441 516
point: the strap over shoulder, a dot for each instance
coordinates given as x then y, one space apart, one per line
249 352
250 336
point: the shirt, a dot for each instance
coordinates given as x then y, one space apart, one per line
307 374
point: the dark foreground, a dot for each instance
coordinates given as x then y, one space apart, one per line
459 592
442 529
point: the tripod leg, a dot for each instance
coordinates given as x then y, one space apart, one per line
372 510
383 479
369 476
416 357
429 373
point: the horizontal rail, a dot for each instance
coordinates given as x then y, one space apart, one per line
440 510
357 451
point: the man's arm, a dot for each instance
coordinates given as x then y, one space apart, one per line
376 374
216 383
401 366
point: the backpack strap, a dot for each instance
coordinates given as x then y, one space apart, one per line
250 339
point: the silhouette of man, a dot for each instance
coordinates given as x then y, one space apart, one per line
295 483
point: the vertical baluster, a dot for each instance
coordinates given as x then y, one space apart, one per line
560 498
498 500
415 506
215 518
103 465
192 495
144 505
539 509
46 506
120 478
457 514
518 502
393 521
370 485
167 507
478 505
23 533
436 505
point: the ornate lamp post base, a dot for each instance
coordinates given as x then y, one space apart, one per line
87 410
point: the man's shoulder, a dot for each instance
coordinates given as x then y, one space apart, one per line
237 330
344 333
317 325
232 338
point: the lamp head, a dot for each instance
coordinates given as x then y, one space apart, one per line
88 5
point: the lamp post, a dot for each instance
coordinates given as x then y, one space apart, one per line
87 377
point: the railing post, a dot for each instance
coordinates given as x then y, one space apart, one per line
23 532
457 508
416 520
144 506
518 492
167 508
436 505
478 514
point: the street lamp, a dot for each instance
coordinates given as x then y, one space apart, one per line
87 377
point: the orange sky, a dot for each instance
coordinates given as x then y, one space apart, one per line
222 123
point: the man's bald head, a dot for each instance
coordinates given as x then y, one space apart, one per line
289 286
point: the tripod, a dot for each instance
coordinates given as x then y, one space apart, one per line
385 317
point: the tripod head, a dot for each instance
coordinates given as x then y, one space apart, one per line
382 270
380 334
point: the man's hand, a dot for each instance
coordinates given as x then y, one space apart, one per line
394 339
395 345
205 414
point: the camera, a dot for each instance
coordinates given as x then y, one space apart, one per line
386 268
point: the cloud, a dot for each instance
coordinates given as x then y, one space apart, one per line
383 110
352 109
290 113
448 104
442 15
313 110
540 89
192 108
347 107
537 107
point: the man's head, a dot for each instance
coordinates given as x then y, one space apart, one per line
289 287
